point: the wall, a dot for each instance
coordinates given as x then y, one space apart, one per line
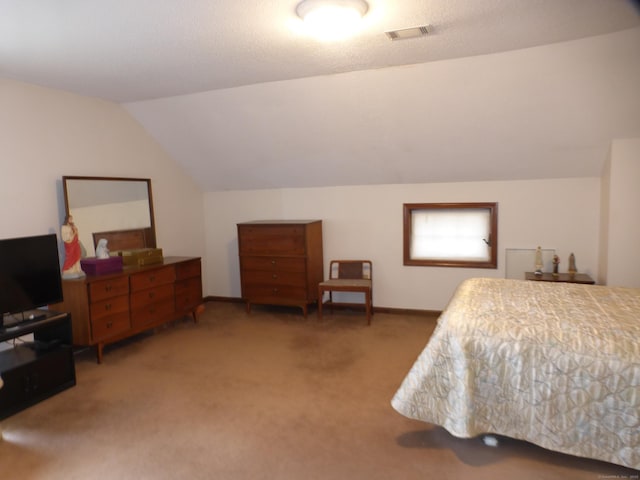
620 262
366 222
544 112
45 134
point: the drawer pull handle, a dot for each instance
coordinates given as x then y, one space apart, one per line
152 294
107 307
152 278
108 288
275 276
273 262
109 324
275 290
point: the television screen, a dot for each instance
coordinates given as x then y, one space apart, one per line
29 273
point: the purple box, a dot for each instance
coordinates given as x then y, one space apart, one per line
100 266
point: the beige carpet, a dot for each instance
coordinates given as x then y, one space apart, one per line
269 395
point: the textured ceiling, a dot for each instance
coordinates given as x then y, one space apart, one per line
499 90
130 50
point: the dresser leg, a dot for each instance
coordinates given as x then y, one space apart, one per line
99 348
197 311
320 295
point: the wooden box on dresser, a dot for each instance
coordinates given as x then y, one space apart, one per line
111 307
281 262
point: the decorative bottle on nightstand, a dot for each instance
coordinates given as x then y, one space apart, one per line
572 270
538 270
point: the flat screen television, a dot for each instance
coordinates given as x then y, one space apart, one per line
29 276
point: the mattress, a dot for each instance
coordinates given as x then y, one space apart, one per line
555 364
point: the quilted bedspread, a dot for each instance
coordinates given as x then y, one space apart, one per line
555 364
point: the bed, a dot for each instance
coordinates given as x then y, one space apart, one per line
557 365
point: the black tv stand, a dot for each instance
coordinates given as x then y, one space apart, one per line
34 371
40 346
13 319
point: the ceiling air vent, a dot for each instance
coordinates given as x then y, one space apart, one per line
404 33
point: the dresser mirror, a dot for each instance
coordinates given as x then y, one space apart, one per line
118 209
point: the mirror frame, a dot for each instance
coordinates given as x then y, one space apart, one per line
149 232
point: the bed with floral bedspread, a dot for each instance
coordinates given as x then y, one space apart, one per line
555 364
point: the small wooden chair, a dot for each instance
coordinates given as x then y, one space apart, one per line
348 276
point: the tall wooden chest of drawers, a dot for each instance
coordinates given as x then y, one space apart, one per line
111 307
281 262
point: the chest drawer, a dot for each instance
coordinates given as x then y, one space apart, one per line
109 306
153 313
274 291
188 293
108 288
188 270
110 326
152 278
274 264
151 295
260 277
281 239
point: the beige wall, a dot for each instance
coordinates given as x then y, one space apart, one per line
366 222
620 262
45 134
544 112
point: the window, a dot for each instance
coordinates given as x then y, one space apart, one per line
451 234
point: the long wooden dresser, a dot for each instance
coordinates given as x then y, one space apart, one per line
281 262
111 307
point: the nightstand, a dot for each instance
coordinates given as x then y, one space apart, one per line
561 278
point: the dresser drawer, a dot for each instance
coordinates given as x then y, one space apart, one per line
188 294
279 264
289 239
110 306
108 288
260 277
189 269
254 292
146 297
109 326
157 312
152 278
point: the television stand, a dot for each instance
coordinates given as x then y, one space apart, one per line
34 371
9 320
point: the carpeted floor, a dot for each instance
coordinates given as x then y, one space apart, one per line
270 395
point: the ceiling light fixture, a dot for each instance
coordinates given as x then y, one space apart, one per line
332 19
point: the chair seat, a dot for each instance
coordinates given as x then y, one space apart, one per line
347 283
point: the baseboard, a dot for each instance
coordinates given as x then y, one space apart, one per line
212 298
398 311
406 311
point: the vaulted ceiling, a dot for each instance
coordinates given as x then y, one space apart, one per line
242 98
